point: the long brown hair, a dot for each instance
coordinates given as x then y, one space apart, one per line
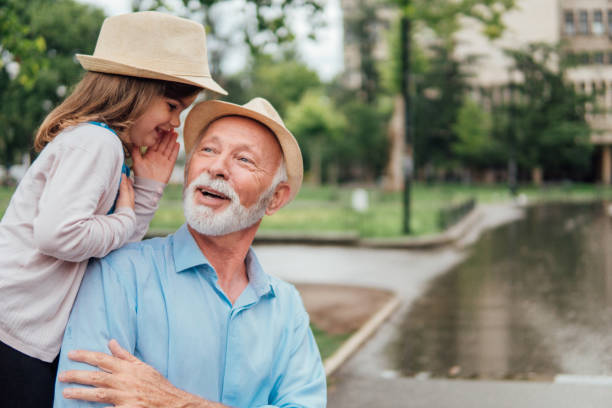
116 100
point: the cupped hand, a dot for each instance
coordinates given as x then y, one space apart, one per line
158 161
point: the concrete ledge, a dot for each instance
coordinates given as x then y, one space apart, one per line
447 237
351 238
318 238
350 346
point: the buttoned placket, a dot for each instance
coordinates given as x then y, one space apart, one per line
229 392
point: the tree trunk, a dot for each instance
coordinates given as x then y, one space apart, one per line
537 176
316 161
394 174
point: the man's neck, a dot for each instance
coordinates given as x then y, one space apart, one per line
227 254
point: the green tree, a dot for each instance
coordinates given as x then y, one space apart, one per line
282 80
19 44
439 94
546 127
66 27
475 145
319 127
438 80
260 25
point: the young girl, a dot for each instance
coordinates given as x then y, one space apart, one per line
74 202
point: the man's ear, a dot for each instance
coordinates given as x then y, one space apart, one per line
279 199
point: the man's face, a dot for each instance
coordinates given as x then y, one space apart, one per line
230 175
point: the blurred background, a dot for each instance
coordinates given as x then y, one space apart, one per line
410 115
503 97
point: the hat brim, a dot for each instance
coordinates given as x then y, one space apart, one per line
204 113
96 64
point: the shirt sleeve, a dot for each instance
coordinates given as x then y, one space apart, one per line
147 192
67 226
303 382
105 308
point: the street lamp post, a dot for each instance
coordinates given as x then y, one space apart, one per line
408 163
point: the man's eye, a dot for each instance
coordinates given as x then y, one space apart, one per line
244 160
207 149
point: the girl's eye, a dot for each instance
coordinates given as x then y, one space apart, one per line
171 106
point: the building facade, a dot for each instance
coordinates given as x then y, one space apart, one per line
583 27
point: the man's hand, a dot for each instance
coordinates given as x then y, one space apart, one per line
125 382
158 161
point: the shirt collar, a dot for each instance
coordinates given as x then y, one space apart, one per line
258 279
187 254
186 251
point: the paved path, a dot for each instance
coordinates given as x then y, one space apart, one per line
368 379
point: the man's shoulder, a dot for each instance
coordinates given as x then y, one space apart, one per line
137 256
286 294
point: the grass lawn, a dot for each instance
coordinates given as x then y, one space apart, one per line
328 209
328 343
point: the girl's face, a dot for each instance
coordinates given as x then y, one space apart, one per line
161 116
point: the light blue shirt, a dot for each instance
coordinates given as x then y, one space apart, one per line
161 300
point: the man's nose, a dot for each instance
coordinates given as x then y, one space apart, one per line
218 168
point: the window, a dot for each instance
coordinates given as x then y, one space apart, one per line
610 57
569 27
583 22
584 58
598 27
598 58
610 22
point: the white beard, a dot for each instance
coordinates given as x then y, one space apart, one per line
235 217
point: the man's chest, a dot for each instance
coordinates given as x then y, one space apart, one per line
205 346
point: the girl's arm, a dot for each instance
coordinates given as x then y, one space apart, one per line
80 184
151 173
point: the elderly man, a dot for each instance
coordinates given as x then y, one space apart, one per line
199 322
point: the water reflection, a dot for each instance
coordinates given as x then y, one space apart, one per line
534 299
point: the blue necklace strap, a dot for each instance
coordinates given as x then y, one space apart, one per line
124 169
102 124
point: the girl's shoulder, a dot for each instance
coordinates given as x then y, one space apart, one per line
89 137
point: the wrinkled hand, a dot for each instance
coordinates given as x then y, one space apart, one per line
126 193
125 382
158 161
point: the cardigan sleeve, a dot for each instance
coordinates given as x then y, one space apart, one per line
147 193
71 223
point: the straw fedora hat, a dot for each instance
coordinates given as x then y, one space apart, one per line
260 110
152 45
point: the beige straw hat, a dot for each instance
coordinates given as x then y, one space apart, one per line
152 45
260 110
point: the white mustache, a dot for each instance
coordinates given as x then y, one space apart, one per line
220 185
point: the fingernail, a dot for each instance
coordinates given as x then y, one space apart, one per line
67 393
61 377
72 354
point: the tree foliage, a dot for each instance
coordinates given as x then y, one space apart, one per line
546 123
283 81
261 25
319 128
65 27
475 145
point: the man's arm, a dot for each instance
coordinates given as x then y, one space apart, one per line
104 308
125 381
303 383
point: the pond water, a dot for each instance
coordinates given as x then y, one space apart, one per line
533 299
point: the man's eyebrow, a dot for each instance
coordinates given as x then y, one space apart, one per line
243 146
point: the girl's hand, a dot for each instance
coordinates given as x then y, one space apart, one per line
126 193
158 161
